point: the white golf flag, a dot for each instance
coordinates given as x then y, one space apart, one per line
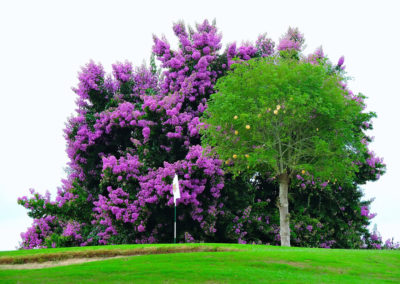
175 189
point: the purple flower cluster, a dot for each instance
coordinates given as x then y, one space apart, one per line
327 244
72 229
310 182
265 45
372 160
239 224
292 40
340 61
122 71
317 56
90 86
314 234
376 240
391 244
35 235
365 212
152 189
189 238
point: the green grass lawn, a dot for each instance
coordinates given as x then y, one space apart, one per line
247 264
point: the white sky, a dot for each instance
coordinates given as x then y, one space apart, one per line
43 44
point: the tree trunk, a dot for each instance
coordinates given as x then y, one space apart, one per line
283 205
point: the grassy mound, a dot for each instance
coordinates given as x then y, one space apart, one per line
213 263
109 251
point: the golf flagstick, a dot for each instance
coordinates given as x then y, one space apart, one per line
177 194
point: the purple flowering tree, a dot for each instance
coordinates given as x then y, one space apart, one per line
132 131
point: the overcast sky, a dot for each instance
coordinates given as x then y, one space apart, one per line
43 44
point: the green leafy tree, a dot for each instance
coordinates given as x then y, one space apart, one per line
284 117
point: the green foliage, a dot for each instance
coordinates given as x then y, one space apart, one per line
284 116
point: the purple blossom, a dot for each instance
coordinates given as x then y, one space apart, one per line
189 238
287 44
265 45
317 56
146 133
292 40
364 211
341 61
122 71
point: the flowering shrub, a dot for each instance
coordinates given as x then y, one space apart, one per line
391 244
134 129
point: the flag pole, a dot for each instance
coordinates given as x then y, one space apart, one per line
174 223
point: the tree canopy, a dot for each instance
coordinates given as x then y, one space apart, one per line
284 116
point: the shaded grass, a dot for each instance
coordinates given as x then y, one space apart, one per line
247 264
